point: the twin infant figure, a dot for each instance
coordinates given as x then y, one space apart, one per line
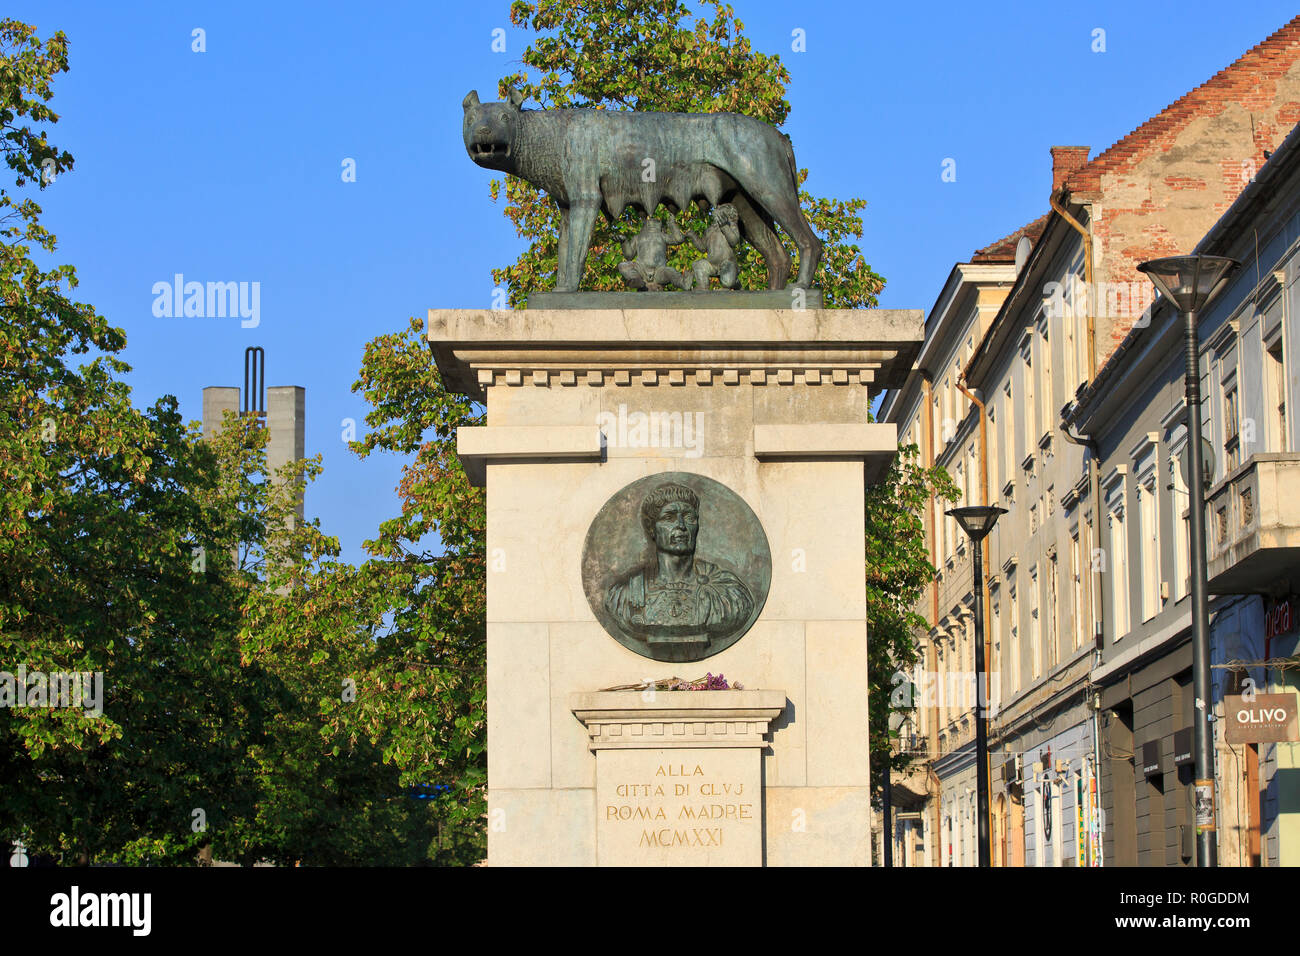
647 254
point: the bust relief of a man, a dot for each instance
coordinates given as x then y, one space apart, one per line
679 598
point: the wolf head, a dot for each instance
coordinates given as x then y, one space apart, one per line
490 130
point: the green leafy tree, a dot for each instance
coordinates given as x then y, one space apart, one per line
118 536
85 557
305 793
129 548
392 653
659 56
898 571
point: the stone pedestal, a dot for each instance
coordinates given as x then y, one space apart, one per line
773 404
679 775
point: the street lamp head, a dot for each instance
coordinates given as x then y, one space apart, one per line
1189 282
977 520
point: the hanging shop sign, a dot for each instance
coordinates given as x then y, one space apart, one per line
1268 718
1183 755
1151 757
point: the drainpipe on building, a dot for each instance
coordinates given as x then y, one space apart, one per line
984 548
1094 473
1087 281
1094 588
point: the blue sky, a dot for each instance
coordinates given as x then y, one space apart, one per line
226 165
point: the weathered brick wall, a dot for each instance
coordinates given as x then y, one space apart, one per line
1158 190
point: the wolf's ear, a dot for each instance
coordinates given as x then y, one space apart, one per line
515 97
471 99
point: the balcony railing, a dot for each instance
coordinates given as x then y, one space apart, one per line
1253 527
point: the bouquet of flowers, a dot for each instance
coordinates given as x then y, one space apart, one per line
707 682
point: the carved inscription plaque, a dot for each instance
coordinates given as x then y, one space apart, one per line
676 567
679 807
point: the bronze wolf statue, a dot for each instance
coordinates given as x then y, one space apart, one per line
607 160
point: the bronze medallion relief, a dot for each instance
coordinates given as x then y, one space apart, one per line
676 567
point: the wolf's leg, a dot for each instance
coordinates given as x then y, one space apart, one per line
582 218
757 228
562 251
781 202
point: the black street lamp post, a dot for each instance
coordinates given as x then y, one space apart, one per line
1190 282
977 521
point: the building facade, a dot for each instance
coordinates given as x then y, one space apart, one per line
1136 410
1085 602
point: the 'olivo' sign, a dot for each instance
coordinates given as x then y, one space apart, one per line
1268 718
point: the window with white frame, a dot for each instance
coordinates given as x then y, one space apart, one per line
1148 524
995 487
1053 612
995 657
960 401
1013 634
975 493
940 531
956 538
1028 402
972 830
1223 401
1231 424
1008 434
949 412
1180 503
941 677
967 662
1046 413
920 688
1035 628
1076 313
1275 392
1117 553
1077 628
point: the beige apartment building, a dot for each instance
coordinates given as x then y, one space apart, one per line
1014 336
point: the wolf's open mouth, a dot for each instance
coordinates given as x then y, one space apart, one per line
488 150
